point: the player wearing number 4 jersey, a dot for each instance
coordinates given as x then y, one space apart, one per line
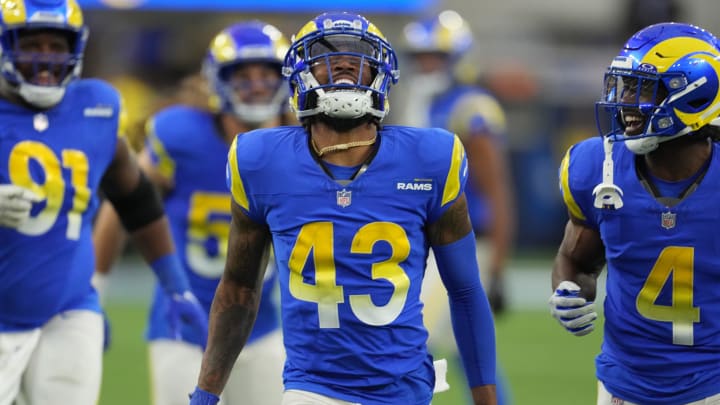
60 142
351 210
641 199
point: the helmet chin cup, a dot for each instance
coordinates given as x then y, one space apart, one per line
344 104
41 96
642 146
608 195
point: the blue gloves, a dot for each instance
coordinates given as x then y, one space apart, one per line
184 308
574 313
202 397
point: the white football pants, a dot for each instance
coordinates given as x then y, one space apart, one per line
59 362
256 377
606 398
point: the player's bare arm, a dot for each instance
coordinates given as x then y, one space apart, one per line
453 225
108 238
161 181
236 301
488 165
123 179
580 258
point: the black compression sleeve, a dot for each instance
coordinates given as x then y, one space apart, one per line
139 207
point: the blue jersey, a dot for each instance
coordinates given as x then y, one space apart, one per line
187 148
662 329
351 258
60 154
467 111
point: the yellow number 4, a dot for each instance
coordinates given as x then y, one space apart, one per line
678 261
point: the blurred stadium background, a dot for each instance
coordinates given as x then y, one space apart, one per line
543 59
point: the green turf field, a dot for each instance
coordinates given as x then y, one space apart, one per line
543 363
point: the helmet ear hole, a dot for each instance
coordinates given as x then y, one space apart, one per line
699 103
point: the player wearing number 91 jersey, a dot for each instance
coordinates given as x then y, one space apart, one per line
63 163
61 143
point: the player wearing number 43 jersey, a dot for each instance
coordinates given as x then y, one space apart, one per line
641 199
351 209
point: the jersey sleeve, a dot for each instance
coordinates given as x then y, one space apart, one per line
580 171
102 103
452 172
157 148
477 113
241 168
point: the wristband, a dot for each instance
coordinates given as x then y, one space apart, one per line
171 274
100 282
202 397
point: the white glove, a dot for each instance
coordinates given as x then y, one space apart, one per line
572 311
15 205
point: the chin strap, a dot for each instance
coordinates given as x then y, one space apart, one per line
342 146
607 194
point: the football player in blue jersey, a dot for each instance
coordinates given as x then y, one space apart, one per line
351 209
185 154
60 143
640 200
436 98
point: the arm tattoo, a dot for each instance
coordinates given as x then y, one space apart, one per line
453 225
236 301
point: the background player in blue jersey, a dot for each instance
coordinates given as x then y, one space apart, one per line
641 200
436 98
351 210
59 144
185 154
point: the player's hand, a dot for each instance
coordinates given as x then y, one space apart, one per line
186 312
15 205
496 294
574 312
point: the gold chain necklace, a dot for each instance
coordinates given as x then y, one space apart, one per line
341 146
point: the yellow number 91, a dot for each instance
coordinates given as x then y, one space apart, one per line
53 188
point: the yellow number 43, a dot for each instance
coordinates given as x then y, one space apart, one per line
316 239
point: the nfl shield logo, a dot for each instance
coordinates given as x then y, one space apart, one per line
617 401
344 198
40 122
668 220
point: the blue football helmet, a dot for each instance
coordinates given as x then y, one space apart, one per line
447 33
336 35
665 83
19 17
237 45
